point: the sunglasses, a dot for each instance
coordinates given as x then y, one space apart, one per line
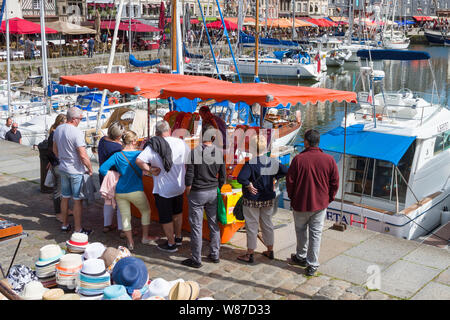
14 127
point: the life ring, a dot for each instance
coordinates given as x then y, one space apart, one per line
303 60
113 100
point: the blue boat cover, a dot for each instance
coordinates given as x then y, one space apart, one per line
375 145
56 88
187 54
392 54
140 64
245 38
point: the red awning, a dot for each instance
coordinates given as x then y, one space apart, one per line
21 26
423 18
124 26
193 21
218 25
321 22
156 85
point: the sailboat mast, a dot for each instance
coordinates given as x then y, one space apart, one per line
350 18
44 54
257 39
293 21
173 36
8 60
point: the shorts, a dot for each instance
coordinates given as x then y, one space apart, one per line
168 207
71 185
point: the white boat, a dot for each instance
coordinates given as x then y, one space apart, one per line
397 164
395 40
275 68
335 55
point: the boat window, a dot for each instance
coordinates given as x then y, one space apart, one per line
382 185
442 142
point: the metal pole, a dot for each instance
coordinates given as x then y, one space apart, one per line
257 40
396 192
44 55
129 29
8 60
173 36
294 35
111 60
343 162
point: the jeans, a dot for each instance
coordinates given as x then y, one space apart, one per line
309 223
71 185
198 201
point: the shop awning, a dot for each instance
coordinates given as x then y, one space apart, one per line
156 85
422 18
22 26
65 27
136 26
368 144
218 25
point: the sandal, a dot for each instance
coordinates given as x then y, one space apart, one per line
248 257
269 254
122 235
130 246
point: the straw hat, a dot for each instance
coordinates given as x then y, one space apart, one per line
159 287
93 267
112 255
33 291
116 292
77 243
130 272
187 290
49 254
70 261
93 251
53 294
70 296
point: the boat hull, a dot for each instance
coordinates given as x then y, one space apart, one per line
435 38
281 70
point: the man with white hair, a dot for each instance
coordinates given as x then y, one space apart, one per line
169 154
70 148
5 128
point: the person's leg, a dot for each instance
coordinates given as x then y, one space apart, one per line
76 181
139 200
315 235
165 211
265 222
57 191
108 211
66 193
213 223
125 211
177 217
301 226
251 216
119 220
196 206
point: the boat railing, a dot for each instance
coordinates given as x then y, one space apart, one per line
395 106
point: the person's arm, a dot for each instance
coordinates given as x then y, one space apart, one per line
55 149
291 178
189 177
147 169
107 165
244 179
85 159
222 175
334 181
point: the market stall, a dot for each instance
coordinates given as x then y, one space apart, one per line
199 91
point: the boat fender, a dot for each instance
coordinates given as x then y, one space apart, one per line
113 100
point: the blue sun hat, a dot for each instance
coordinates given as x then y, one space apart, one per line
130 272
116 292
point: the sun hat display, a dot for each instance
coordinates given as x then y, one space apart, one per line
19 275
33 291
53 294
49 256
112 255
49 282
70 296
77 243
116 292
130 272
68 269
93 251
187 290
161 287
93 279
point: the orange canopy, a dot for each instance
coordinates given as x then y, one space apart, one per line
157 85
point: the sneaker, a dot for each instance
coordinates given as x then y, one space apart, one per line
178 241
66 228
310 271
167 247
85 231
213 260
300 262
191 263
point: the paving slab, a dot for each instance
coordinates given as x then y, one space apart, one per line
382 249
403 279
444 277
353 235
430 256
433 291
330 248
347 268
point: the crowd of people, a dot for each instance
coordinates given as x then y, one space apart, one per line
311 180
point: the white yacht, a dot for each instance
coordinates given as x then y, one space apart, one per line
395 40
335 55
396 176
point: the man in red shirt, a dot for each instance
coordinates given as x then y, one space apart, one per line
311 182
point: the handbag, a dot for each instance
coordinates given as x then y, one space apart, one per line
49 179
238 210
221 210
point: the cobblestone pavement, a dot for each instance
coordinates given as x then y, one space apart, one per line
406 269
